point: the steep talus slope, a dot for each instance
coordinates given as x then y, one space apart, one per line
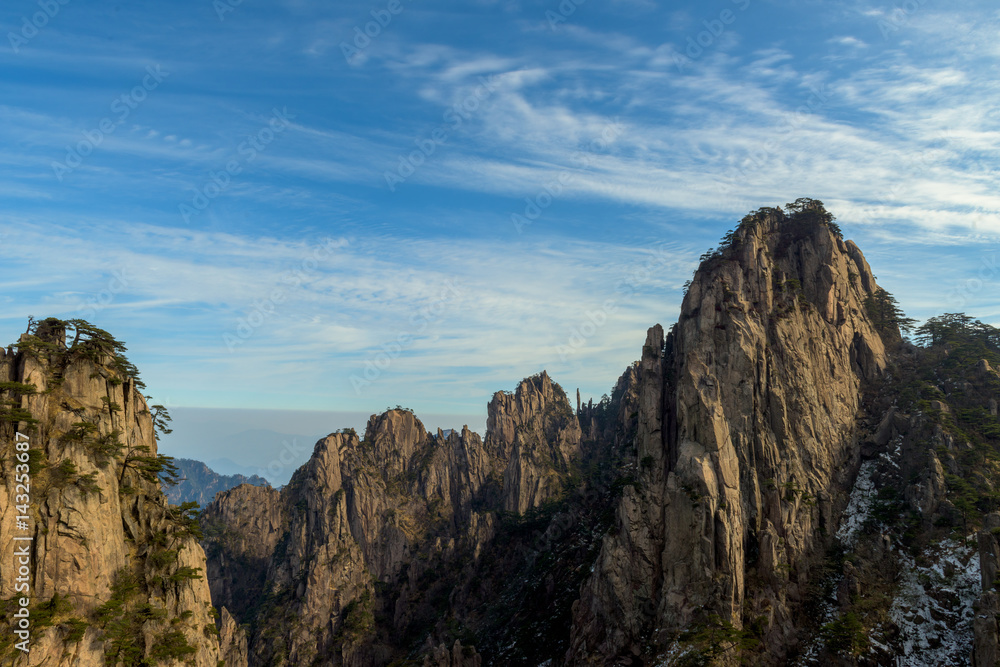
363 545
117 574
746 442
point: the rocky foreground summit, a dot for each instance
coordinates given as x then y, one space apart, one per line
116 573
780 479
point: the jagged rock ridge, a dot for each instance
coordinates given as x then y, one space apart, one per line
747 434
383 513
732 446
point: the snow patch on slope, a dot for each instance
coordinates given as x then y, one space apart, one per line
860 503
864 492
933 609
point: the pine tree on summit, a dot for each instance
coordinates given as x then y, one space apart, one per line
812 210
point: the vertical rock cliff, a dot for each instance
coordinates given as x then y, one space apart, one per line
117 575
986 650
746 442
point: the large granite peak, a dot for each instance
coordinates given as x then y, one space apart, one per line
747 440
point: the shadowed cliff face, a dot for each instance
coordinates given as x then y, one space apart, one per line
102 530
746 428
356 548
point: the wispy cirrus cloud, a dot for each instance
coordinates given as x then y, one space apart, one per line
330 313
895 129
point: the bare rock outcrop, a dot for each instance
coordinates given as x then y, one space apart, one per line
241 532
536 431
698 514
458 656
105 543
232 641
747 435
925 494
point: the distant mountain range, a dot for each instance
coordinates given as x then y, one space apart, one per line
200 483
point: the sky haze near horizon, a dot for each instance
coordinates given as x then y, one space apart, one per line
302 206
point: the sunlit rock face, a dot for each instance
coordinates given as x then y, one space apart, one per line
747 441
102 532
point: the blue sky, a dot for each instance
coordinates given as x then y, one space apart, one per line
275 213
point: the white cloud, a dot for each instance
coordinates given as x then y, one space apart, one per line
848 40
685 133
197 287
